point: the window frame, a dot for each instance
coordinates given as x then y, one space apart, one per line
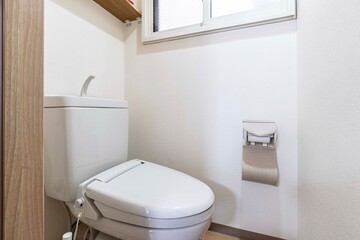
213 25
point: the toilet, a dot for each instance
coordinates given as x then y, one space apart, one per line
86 166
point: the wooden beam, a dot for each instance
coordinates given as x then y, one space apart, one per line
23 120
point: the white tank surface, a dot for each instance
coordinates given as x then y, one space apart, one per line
83 136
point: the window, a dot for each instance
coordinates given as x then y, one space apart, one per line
172 19
227 7
175 14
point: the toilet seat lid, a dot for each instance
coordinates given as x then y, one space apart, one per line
152 190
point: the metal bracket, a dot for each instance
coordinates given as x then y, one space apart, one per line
127 23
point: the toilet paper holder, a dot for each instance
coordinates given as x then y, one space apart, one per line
263 133
259 163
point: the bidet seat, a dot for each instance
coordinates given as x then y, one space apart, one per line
151 195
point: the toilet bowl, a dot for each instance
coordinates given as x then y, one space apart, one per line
86 167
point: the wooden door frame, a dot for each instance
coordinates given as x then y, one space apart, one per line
1 117
22 120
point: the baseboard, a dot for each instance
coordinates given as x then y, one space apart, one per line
246 235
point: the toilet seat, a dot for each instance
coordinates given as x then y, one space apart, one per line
158 197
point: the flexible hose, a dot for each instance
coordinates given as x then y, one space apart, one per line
77 225
83 232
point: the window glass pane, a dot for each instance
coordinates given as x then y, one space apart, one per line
170 14
227 7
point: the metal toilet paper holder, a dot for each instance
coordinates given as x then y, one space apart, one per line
262 133
259 162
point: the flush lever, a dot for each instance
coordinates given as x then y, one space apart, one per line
85 86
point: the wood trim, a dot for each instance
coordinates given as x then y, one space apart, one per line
242 234
23 120
1 117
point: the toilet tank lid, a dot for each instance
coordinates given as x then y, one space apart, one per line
57 101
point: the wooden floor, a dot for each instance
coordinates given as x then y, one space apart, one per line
218 236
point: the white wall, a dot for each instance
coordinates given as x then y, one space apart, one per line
329 118
81 39
187 101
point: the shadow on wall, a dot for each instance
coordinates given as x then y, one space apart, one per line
56 219
225 201
214 38
94 14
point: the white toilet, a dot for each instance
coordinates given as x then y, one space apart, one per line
86 141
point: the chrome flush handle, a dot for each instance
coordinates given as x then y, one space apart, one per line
85 86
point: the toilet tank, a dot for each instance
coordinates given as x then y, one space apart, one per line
82 137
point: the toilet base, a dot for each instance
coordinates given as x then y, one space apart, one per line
113 230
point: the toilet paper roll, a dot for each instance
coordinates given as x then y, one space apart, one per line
260 165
